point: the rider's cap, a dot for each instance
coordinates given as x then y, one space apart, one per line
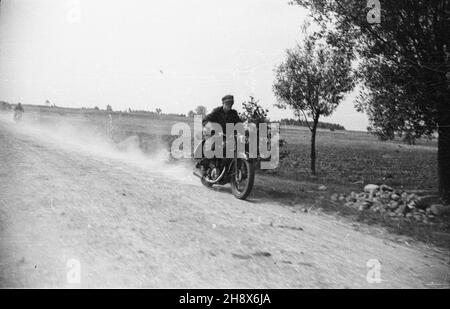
228 98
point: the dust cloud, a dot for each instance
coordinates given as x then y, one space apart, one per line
92 138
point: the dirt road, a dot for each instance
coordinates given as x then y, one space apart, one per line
69 211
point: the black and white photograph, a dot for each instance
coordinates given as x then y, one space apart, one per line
211 145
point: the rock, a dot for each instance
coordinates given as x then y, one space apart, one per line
367 204
418 217
393 205
351 199
426 201
401 209
334 197
386 188
371 187
342 198
349 204
385 198
322 188
377 208
361 207
395 197
411 205
439 209
412 197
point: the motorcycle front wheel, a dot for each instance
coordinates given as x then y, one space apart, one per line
242 179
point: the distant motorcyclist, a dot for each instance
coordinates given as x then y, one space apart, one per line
19 108
18 111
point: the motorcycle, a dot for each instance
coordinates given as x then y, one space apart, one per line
239 171
18 116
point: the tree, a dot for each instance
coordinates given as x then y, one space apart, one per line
404 65
109 108
200 110
158 111
191 114
312 81
253 112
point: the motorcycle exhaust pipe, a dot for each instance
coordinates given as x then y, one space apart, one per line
197 173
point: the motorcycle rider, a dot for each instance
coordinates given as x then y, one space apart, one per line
18 111
19 108
222 115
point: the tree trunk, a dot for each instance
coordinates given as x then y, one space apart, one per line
313 145
444 151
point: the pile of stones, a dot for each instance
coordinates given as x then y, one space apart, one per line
395 203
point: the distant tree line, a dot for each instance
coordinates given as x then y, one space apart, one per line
303 123
5 106
157 112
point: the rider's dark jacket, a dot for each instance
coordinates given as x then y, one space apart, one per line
219 116
18 108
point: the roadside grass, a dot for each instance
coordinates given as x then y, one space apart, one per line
346 166
400 166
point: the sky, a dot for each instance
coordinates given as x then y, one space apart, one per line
148 54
